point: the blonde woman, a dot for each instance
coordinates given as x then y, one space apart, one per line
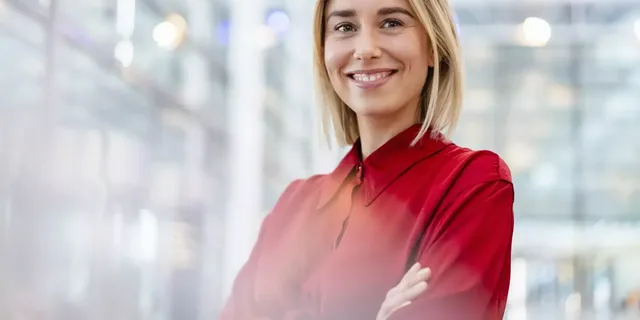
409 225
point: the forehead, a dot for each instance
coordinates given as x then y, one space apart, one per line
362 5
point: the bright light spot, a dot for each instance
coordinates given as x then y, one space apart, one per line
170 33
145 238
266 37
178 21
148 234
636 29
124 53
279 22
165 34
535 32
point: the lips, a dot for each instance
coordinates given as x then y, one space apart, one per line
364 77
370 79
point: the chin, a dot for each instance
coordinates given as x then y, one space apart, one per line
374 107
374 111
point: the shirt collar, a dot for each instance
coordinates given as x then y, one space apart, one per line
384 165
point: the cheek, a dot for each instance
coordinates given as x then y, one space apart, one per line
336 57
416 49
420 64
416 55
419 72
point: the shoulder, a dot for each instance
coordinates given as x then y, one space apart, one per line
469 167
477 179
298 192
299 186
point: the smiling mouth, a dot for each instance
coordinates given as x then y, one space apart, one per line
371 79
370 76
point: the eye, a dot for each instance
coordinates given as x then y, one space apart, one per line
345 27
391 23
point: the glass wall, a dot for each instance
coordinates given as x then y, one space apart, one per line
552 87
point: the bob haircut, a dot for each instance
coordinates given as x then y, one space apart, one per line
441 100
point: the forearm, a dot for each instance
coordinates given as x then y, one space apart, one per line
470 258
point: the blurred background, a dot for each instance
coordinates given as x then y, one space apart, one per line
142 142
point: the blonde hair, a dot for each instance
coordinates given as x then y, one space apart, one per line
441 99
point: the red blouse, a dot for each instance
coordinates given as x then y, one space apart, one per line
335 244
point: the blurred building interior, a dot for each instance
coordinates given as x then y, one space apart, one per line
142 142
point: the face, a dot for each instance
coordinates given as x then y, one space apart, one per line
377 55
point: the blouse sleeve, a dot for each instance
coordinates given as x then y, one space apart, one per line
240 304
469 253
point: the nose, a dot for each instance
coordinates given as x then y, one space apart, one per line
367 46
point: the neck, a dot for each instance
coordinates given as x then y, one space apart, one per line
376 132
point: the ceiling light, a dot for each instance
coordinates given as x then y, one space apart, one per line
534 32
170 33
124 53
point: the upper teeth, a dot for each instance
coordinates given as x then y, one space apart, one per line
370 77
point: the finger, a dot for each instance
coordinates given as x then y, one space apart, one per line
410 274
410 294
404 296
420 276
411 278
415 291
415 278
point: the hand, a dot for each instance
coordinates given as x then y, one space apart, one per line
412 284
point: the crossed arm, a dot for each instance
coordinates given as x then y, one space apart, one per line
469 255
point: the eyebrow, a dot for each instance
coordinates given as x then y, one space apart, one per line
392 10
349 13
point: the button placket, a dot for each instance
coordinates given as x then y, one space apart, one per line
358 174
348 199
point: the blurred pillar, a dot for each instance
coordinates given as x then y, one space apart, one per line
246 76
10 153
32 233
583 281
298 88
191 299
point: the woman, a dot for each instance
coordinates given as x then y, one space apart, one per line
336 246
